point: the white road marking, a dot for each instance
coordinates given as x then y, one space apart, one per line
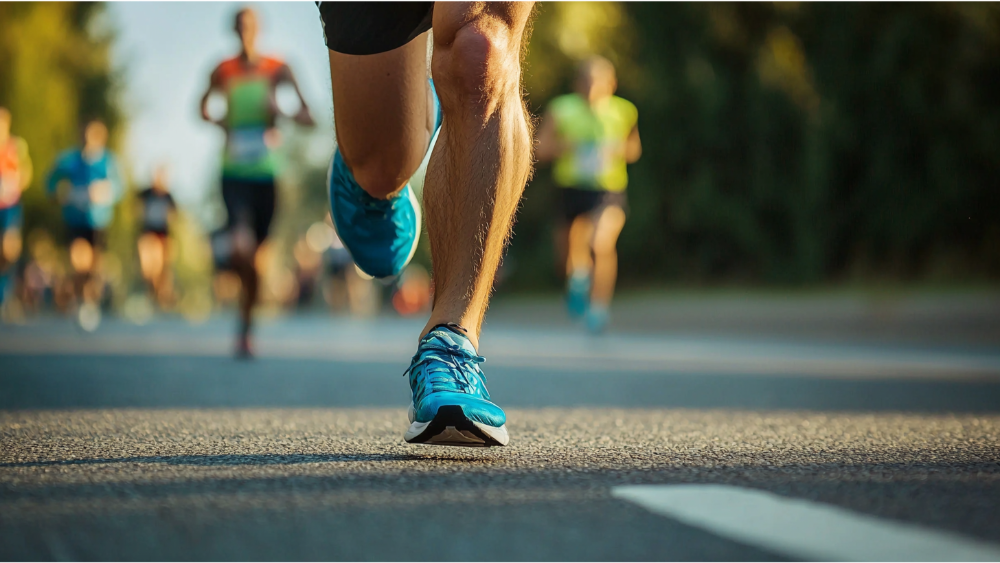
803 529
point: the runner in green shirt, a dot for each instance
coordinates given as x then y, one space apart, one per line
249 165
590 136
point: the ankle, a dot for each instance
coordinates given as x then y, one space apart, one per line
456 327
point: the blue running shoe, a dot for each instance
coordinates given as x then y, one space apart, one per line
380 234
597 318
577 294
451 406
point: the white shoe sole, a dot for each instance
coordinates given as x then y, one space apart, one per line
451 428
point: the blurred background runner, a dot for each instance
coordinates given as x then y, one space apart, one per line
249 82
590 135
87 183
156 209
757 174
15 177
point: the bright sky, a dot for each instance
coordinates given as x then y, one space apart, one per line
168 49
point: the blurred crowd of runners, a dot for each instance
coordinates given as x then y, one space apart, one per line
589 136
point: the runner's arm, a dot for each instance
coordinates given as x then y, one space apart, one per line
214 83
56 175
633 146
549 146
304 117
24 161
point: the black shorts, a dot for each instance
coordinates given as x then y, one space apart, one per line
158 233
162 233
251 203
573 202
90 234
367 28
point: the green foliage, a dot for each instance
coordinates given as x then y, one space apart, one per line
55 74
791 143
783 143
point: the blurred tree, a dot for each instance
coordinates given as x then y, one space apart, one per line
55 73
789 143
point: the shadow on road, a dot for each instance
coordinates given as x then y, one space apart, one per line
209 460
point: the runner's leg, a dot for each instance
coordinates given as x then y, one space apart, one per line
384 114
608 227
164 282
244 250
243 262
150 260
81 256
10 248
482 159
581 234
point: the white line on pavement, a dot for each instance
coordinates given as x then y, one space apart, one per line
802 529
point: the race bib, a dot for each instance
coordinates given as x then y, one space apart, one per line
246 146
591 161
79 197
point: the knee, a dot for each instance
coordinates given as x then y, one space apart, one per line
476 64
605 248
244 245
606 244
378 174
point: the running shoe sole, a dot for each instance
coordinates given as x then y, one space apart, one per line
450 427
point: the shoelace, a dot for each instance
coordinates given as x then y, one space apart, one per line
460 371
377 207
368 205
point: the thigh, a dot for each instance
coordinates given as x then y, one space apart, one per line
575 202
580 233
233 197
381 105
263 209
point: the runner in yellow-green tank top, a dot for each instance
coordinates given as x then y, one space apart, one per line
249 164
590 136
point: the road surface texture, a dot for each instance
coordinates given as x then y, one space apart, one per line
149 442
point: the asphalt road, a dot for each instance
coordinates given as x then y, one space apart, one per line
148 442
